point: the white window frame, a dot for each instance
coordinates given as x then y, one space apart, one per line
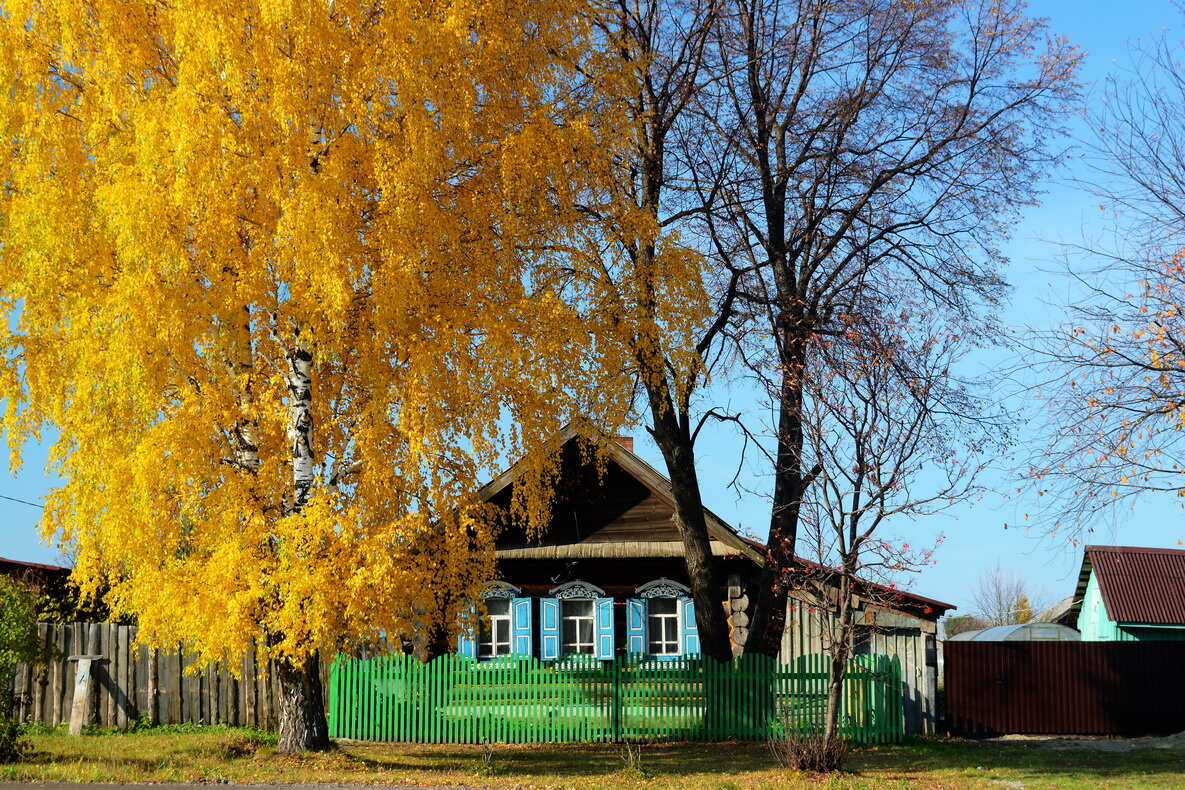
583 592
488 644
663 589
577 647
671 643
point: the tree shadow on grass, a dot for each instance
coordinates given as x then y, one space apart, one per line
118 764
1030 759
571 759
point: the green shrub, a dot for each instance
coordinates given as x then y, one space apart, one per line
18 644
12 741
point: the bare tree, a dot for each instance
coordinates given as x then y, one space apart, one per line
849 153
799 159
894 436
1112 377
1005 598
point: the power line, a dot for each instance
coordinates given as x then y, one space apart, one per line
23 502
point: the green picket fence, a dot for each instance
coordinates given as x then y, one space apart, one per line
454 699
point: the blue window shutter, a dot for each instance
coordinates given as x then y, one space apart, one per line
690 635
603 609
549 628
520 626
467 640
635 626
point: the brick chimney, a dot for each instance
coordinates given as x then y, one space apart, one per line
627 442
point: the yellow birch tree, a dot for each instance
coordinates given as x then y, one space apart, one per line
283 276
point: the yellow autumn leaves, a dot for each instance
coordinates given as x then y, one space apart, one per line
195 192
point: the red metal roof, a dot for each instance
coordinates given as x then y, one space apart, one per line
920 602
1140 585
26 564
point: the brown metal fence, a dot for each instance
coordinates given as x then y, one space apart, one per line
1068 688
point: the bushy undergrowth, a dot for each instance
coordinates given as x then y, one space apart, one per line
808 750
13 745
19 643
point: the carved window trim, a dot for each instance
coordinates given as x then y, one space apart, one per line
578 589
663 588
501 589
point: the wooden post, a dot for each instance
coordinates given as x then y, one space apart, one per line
82 692
153 686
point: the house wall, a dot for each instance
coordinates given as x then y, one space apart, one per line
879 630
618 577
1093 623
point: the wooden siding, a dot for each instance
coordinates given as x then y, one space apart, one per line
879 631
1093 622
137 683
625 500
593 505
649 519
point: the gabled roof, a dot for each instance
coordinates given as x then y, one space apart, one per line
1061 612
1138 584
718 531
724 539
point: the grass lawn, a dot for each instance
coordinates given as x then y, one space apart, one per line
238 755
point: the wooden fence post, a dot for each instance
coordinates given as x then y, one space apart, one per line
83 682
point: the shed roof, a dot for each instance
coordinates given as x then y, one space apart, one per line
1138 584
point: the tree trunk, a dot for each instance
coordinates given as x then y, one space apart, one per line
300 426
841 649
303 727
790 484
675 444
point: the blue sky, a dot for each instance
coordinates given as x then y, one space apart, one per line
976 540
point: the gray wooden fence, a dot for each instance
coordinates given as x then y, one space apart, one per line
881 631
137 684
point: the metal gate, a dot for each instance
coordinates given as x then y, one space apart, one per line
1067 688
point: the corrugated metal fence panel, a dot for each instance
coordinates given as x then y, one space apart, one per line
133 684
1068 688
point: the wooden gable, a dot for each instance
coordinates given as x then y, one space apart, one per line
619 507
593 505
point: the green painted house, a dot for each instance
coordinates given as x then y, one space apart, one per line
1130 594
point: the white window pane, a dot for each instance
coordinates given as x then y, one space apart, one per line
662 627
577 627
494 636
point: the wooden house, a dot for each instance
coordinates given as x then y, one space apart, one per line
607 578
35 576
1130 594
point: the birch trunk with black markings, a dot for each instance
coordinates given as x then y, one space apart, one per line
302 723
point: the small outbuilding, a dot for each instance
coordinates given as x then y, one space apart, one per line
1131 594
